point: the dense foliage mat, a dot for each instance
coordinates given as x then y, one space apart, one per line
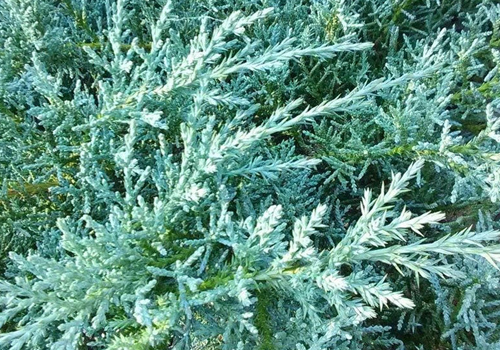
249 174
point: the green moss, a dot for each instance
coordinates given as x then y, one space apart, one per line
263 320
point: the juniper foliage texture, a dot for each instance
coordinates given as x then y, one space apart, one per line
181 175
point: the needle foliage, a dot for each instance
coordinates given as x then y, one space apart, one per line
243 174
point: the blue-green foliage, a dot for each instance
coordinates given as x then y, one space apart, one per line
470 307
195 174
